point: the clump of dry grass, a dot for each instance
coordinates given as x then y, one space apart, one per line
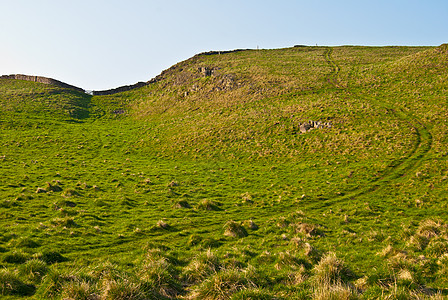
250 224
253 294
234 229
67 222
79 290
53 188
247 198
306 249
298 276
121 289
70 193
429 233
330 270
290 260
429 228
308 229
442 263
201 266
158 275
10 284
182 204
337 291
224 284
173 183
34 270
387 251
40 190
162 224
283 222
208 205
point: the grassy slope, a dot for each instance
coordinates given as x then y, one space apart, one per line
233 138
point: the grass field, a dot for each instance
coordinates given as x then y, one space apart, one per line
203 186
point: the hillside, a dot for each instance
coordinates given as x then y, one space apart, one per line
297 173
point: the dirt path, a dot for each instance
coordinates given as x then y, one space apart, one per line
333 75
398 168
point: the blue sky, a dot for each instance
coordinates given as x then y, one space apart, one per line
100 44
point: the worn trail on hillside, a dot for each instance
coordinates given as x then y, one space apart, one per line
333 75
396 169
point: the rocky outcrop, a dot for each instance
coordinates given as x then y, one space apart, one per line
206 71
43 80
305 127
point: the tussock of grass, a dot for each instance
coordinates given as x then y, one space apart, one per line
234 229
70 193
158 274
207 204
53 188
298 276
53 282
79 289
308 229
10 284
161 224
291 260
429 229
40 190
331 270
337 291
24 242
224 284
68 222
250 224
306 249
201 266
122 289
16 257
182 204
253 294
51 257
34 270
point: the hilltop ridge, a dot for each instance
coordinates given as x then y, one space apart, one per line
159 77
41 79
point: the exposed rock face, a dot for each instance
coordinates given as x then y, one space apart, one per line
206 71
305 127
41 79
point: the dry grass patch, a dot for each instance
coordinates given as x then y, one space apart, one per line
201 266
331 270
336 291
225 283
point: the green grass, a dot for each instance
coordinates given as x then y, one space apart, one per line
203 186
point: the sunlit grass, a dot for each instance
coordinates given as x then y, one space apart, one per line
206 188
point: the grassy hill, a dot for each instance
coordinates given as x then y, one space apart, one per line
297 173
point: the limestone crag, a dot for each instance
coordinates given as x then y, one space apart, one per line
44 80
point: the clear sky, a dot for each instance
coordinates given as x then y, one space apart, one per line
101 44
